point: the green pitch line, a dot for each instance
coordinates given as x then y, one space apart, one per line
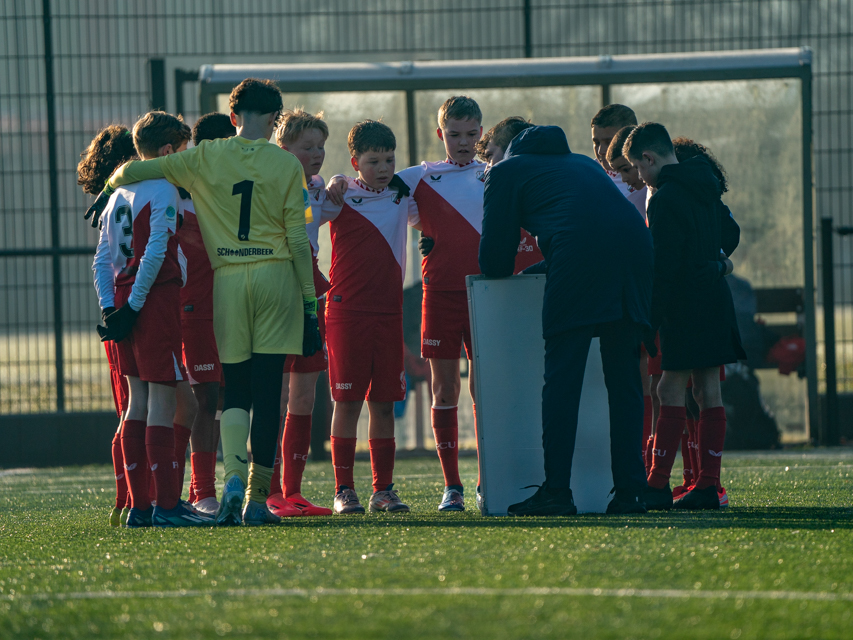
777 564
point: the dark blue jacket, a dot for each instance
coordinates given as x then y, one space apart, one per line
598 250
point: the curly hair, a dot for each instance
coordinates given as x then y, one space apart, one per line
111 148
255 96
685 148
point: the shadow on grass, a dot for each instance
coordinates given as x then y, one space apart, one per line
810 518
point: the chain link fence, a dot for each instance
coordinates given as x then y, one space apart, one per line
70 67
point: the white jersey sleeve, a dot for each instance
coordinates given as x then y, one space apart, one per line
103 268
163 221
412 176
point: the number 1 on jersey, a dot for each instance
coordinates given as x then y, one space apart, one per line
244 190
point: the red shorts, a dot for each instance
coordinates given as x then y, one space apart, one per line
118 383
445 325
152 350
365 356
320 360
201 357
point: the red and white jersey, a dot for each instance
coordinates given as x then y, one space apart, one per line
450 210
137 245
635 196
317 196
197 294
368 249
449 200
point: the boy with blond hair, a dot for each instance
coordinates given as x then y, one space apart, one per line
304 135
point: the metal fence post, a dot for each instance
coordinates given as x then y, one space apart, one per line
829 432
528 29
53 182
157 78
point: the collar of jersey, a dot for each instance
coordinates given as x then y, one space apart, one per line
247 141
456 164
366 188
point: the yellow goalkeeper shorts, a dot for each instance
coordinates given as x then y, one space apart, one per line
257 308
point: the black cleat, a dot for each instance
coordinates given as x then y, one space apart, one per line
698 499
545 502
658 499
623 505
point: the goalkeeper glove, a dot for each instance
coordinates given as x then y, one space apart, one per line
97 209
425 245
311 340
119 324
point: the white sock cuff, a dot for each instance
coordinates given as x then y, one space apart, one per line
453 407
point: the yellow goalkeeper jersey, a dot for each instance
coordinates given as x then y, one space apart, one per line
249 196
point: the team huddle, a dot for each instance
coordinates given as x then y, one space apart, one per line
208 282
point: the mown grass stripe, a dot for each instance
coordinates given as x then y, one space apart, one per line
821 596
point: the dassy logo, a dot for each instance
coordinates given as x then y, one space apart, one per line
431 343
356 201
203 367
343 385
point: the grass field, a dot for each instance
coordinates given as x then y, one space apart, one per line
777 564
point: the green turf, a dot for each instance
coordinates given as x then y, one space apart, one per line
777 564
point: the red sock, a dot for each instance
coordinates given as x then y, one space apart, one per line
691 448
669 429
445 427
382 452
160 444
712 435
118 468
135 462
182 441
647 424
275 481
192 498
204 474
686 459
476 440
343 461
294 451
647 457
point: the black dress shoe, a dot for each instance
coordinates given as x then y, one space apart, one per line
698 499
621 505
658 499
546 502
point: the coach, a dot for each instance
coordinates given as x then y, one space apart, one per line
599 263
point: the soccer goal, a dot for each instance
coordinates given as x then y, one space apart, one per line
752 108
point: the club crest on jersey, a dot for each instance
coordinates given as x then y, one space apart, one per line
170 213
356 201
481 176
398 198
435 178
305 198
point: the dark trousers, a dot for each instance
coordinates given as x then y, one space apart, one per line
565 361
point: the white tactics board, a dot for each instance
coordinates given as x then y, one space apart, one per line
509 365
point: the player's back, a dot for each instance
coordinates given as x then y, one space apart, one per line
197 293
241 187
134 216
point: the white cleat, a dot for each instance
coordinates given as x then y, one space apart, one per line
208 506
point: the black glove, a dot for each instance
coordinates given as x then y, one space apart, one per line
425 245
398 184
106 312
649 342
311 340
94 212
119 324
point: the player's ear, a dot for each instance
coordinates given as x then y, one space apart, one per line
233 119
165 150
354 162
440 133
649 158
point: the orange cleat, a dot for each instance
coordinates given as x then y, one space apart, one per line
306 508
281 507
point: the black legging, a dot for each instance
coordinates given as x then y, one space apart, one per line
256 384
